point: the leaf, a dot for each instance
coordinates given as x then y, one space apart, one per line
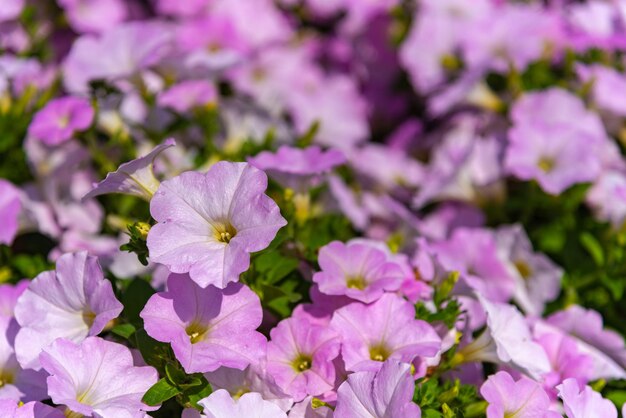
124 330
160 392
134 300
593 247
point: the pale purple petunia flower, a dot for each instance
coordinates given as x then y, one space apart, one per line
209 223
300 357
10 409
60 119
298 168
94 15
388 167
606 347
73 302
585 402
387 393
607 198
10 208
135 177
576 138
537 278
189 94
220 405
506 340
207 327
523 398
391 332
357 270
96 378
10 9
608 87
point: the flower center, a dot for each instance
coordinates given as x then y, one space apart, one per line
89 317
379 353
224 232
356 282
523 268
72 414
302 363
6 378
546 164
196 331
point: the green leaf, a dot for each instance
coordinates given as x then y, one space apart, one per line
134 300
160 392
124 330
593 247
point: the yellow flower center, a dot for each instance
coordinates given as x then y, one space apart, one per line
356 282
302 363
224 232
546 164
523 268
197 332
379 353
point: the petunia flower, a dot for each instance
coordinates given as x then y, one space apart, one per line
537 278
506 340
585 403
207 327
94 15
357 270
96 378
11 409
607 198
189 94
11 9
220 404
298 168
300 355
60 119
135 177
10 208
585 326
523 398
73 302
387 393
391 332
208 224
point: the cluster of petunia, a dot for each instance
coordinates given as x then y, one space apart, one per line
312 208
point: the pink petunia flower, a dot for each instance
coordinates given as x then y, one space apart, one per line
11 409
207 327
300 355
189 94
135 177
357 270
10 208
387 393
60 119
220 404
209 223
73 302
391 332
585 403
523 398
96 378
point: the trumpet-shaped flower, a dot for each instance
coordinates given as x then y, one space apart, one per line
209 223
73 302
220 404
391 332
585 403
10 207
96 378
11 409
207 327
300 357
524 398
135 177
60 119
357 270
387 393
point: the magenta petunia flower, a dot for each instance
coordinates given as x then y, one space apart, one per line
387 393
585 402
220 404
523 398
135 177
73 302
576 138
207 327
209 223
10 208
300 357
11 409
189 94
391 332
298 168
357 270
60 119
96 378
